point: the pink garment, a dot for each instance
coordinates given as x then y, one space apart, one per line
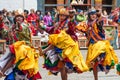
47 20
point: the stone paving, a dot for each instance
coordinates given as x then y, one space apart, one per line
84 76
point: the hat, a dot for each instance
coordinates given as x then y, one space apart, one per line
79 10
18 16
92 11
63 11
70 9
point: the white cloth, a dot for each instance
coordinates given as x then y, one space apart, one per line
44 37
4 59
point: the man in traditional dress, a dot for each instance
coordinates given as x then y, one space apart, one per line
23 58
101 55
62 55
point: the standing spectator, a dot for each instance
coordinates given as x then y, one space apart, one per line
26 13
54 14
10 18
32 17
47 19
5 19
39 15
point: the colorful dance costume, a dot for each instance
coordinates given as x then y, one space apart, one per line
25 58
22 33
72 30
100 53
66 52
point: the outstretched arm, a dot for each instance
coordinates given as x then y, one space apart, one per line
48 48
82 27
43 27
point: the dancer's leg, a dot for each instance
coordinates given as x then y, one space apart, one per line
95 73
63 73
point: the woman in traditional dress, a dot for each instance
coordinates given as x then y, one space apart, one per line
101 55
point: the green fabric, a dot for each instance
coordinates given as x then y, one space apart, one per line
17 64
81 18
118 67
112 63
44 27
43 47
24 34
48 63
72 20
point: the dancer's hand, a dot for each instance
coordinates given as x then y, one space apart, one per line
41 24
40 51
1 74
44 51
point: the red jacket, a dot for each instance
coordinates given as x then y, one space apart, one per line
31 18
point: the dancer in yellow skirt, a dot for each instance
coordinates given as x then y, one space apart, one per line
63 54
71 58
22 62
101 55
